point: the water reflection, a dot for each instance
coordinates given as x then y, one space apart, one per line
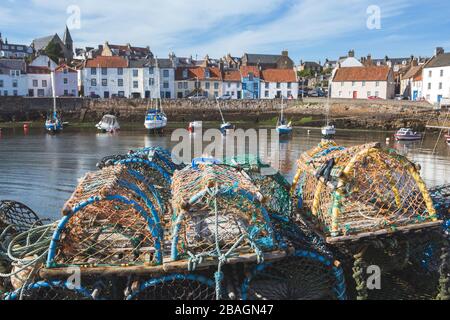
42 170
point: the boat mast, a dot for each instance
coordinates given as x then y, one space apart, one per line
52 76
220 110
282 109
158 88
328 103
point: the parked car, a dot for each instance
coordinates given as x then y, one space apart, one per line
313 93
400 97
94 96
225 97
374 98
303 93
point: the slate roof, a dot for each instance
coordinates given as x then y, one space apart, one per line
6 65
38 70
413 72
442 60
42 43
262 58
362 74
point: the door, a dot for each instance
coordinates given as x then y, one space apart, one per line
239 94
147 94
415 95
439 98
106 95
355 94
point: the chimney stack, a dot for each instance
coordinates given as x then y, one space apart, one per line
351 54
439 51
285 53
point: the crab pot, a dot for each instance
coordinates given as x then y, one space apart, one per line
112 219
175 287
217 208
18 216
272 185
305 275
361 190
160 156
53 290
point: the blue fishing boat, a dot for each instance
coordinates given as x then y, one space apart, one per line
283 128
53 124
225 126
156 119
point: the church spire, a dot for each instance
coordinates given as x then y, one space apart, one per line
67 39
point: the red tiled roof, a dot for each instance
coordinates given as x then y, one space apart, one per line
107 62
245 70
38 70
232 75
198 73
62 67
279 75
371 73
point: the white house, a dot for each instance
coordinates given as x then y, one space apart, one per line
44 61
66 81
277 83
363 82
436 77
232 84
412 84
106 77
39 82
13 77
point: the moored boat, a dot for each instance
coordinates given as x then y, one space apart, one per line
53 124
194 125
109 123
329 131
155 120
282 127
407 134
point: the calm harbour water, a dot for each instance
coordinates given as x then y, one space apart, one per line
42 170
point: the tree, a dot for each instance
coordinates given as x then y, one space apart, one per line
305 73
54 51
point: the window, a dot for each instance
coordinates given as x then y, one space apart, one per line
289 85
266 85
229 84
44 83
207 85
440 85
250 76
165 73
35 83
244 86
278 85
180 85
166 85
65 71
216 94
104 71
151 70
135 84
363 83
104 82
1 83
66 92
93 82
377 84
442 73
207 74
135 73
185 85
377 94
238 85
185 74
121 94
429 86
289 93
40 92
15 93
15 84
120 71
5 93
216 85
353 83
151 82
340 93
120 82
93 71
255 87
266 93
66 81
342 84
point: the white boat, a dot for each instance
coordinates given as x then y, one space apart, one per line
108 124
195 125
225 126
447 137
328 131
282 127
407 134
53 124
156 119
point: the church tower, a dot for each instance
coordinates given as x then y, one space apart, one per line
67 40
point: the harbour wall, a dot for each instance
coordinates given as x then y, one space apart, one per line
379 114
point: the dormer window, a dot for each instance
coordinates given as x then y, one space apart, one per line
207 74
250 76
185 74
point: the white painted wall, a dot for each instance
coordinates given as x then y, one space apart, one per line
436 82
41 84
345 90
269 90
11 85
44 61
112 77
68 88
232 88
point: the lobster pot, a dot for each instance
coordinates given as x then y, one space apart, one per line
17 216
217 208
111 220
54 290
180 287
305 275
272 185
363 189
160 156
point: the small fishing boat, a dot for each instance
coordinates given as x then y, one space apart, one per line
282 127
156 119
329 131
225 126
407 134
108 124
194 125
53 124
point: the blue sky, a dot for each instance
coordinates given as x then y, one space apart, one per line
309 29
